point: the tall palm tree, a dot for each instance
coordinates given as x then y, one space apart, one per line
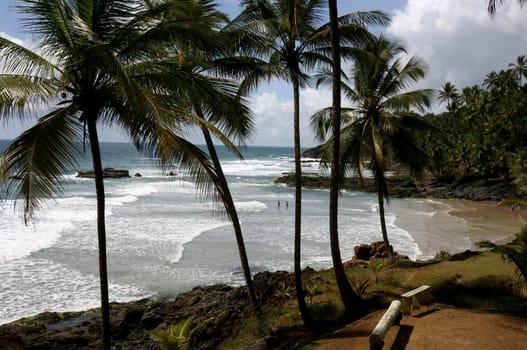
520 67
493 4
352 301
293 39
89 69
381 122
216 101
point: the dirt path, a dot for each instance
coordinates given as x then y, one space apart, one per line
438 327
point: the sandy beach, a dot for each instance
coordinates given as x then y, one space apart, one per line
456 225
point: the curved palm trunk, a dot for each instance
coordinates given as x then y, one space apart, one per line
264 325
352 302
302 305
101 230
379 178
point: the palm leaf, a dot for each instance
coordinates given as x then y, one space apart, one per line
36 159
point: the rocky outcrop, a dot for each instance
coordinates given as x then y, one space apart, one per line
373 251
476 189
398 186
221 306
107 173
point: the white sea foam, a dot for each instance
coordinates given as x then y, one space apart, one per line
250 206
18 240
257 167
48 286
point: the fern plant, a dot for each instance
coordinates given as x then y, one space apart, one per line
376 268
283 293
177 337
360 287
311 291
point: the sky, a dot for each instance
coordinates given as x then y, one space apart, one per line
457 39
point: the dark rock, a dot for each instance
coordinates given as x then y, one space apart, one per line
107 173
362 252
138 175
375 250
463 255
470 188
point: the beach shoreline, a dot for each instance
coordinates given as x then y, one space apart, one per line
459 224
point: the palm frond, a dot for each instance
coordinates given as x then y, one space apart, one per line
22 96
35 161
172 149
19 60
418 99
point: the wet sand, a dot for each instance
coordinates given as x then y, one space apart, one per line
457 225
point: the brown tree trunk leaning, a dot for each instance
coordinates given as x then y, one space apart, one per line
101 229
380 197
265 327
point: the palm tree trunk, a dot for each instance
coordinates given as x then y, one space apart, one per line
101 230
302 305
379 175
265 327
352 302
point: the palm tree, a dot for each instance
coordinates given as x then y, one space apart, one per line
493 4
216 101
293 39
450 95
90 68
520 67
351 300
381 123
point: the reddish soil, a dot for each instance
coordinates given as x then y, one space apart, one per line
436 327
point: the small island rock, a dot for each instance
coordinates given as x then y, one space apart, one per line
107 173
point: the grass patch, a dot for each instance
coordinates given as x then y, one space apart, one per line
484 281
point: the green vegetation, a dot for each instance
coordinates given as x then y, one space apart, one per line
376 268
483 281
495 149
442 255
515 252
178 336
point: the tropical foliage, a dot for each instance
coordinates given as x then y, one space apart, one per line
178 336
485 129
516 253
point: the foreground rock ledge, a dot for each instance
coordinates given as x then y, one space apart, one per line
224 306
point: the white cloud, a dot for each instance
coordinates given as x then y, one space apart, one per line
458 39
273 115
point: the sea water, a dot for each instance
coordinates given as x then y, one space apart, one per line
163 238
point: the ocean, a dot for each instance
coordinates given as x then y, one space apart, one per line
162 239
